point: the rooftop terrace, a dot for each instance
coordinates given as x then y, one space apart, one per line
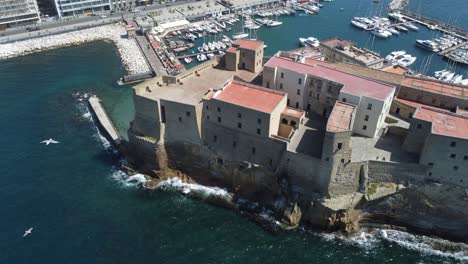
190 91
347 48
435 86
444 123
341 117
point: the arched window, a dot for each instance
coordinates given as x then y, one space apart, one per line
293 123
284 121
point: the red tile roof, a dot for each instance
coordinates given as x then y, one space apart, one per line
435 86
231 49
352 84
256 98
415 104
341 117
293 112
249 44
444 123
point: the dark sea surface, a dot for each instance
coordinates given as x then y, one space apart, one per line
83 211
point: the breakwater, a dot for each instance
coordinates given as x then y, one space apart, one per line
130 54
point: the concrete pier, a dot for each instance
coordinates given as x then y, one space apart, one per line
104 123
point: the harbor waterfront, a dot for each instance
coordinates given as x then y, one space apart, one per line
98 211
83 208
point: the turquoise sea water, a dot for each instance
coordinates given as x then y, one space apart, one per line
82 212
331 22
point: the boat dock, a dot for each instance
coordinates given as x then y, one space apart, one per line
198 53
442 53
441 26
103 121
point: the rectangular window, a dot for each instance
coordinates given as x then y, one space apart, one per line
453 144
282 75
318 96
219 119
299 81
207 107
215 138
297 104
219 109
430 164
239 115
281 86
288 102
418 126
344 100
364 127
234 144
369 106
452 156
268 85
254 150
163 114
187 113
180 119
340 145
310 93
308 107
298 91
259 131
259 120
239 125
465 158
366 118
208 117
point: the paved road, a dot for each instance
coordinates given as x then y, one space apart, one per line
74 23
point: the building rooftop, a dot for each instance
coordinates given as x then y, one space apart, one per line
293 112
231 49
303 53
249 96
352 84
248 44
190 91
435 86
379 75
415 104
345 47
341 117
444 123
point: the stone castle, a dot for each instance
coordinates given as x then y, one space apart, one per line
300 127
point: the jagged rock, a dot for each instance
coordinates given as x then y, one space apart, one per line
292 215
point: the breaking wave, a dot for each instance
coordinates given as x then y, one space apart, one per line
194 190
128 181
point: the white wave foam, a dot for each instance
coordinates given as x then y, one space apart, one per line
423 244
195 190
128 181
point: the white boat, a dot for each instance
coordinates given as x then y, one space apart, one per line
401 28
309 42
211 46
210 55
359 24
448 77
240 35
438 74
464 82
380 33
205 47
411 26
427 44
199 57
188 60
457 79
406 61
273 23
393 31
391 57
221 53
312 8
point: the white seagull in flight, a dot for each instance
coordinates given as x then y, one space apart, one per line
49 141
28 232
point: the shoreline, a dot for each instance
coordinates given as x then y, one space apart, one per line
130 54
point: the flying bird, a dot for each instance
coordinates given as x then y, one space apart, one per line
28 232
49 141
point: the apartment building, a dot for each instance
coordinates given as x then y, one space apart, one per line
17 12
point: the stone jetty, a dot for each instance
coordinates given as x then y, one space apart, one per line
130 53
